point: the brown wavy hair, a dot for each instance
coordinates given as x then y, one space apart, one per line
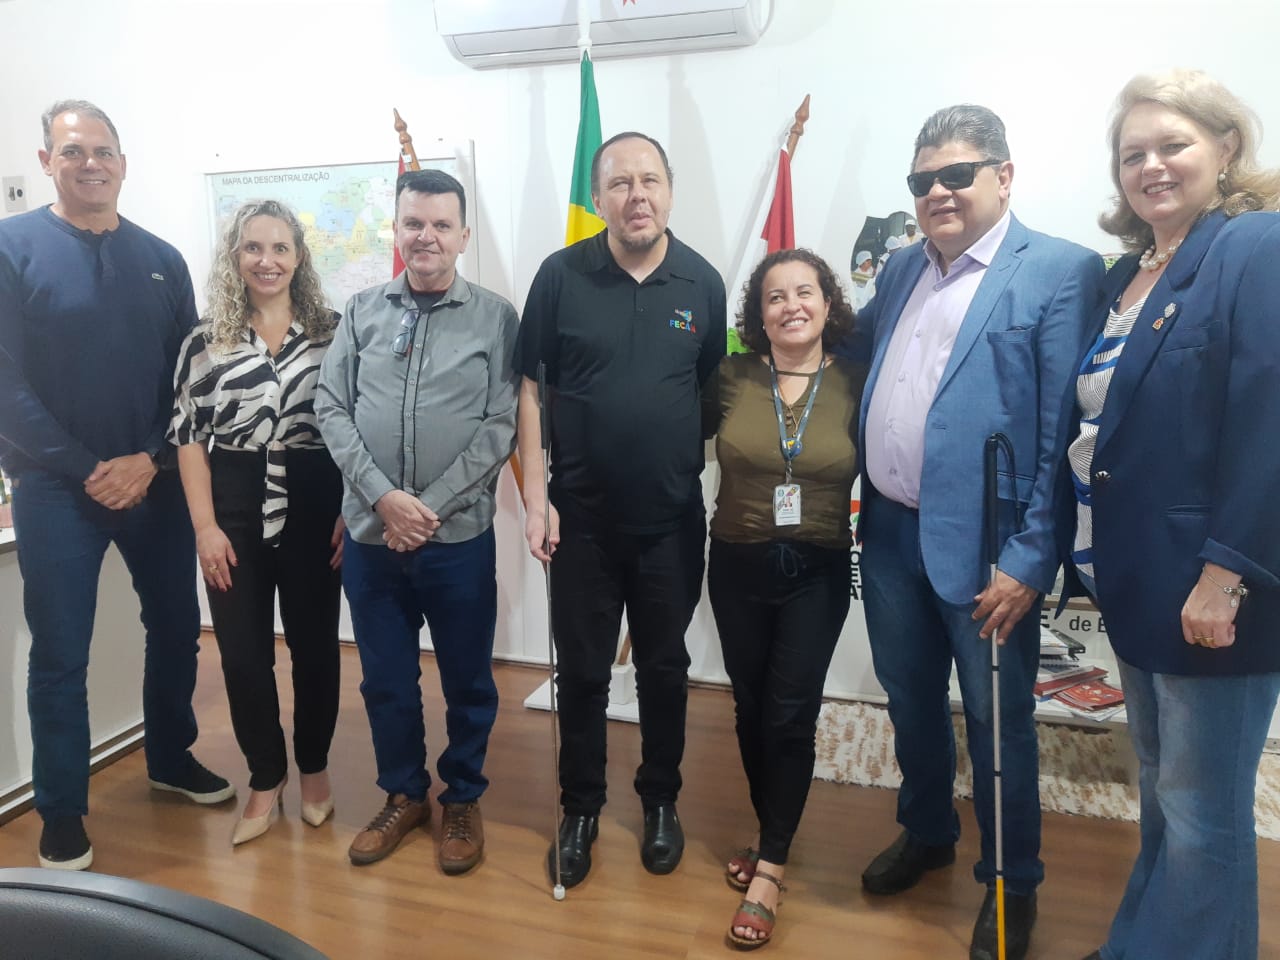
751 309
229 310
1218 111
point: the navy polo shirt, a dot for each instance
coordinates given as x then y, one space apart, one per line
628 362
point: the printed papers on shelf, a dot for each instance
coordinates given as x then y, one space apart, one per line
1094 699
1055 643
1056 675
1099 715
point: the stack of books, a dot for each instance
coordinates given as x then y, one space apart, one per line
1078 685
1054 676
1093 699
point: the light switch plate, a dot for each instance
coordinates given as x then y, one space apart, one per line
15 193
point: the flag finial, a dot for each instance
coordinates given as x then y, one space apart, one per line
406 142
797 128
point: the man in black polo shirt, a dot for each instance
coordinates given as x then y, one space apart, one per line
630 324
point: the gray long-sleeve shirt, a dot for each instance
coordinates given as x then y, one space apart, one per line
438 422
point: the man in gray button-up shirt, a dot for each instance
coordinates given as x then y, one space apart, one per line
417 404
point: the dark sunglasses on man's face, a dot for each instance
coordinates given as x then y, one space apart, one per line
404 339
954 176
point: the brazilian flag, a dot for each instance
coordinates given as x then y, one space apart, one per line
583 222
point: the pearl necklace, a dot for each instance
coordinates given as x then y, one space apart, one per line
1154 261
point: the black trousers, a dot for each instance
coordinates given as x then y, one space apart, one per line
244 616
658 579
779 609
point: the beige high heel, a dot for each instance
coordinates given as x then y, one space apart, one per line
250 828
317 813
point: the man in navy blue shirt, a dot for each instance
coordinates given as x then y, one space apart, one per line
92 311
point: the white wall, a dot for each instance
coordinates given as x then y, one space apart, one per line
115 678
198 85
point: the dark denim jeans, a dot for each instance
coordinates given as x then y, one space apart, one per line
62 537
915 635
454 587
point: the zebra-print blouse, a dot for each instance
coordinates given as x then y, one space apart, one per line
245 399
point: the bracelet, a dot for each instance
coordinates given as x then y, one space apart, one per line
1236 593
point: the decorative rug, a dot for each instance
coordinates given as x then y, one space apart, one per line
1083 771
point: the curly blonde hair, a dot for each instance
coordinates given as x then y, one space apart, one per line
230 312
1215 109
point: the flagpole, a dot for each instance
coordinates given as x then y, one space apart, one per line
797 128
584 29
406 141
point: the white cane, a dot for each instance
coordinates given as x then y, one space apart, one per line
990 495
557 889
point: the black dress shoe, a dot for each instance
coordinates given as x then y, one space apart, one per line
663 839
901 866
1019 918
576 836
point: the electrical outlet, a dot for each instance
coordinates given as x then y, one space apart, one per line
15 193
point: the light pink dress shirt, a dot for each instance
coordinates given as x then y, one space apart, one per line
913 364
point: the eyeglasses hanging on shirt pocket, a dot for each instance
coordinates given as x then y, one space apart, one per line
404 339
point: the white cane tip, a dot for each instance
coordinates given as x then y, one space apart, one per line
558 892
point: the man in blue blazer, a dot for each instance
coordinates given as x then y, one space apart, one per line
975 332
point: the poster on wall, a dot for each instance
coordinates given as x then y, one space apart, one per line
877 240
346 209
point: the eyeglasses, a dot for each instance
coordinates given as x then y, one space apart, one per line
404 339
954 176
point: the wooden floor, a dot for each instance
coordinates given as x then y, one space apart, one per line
299 878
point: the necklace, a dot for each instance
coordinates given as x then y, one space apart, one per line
790 409
1154 261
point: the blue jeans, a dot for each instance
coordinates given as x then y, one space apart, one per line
62 537
1193 893
915 635
454 587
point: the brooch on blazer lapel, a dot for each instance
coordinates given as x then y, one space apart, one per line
1168 312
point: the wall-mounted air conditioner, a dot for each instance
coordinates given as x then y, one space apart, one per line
492 33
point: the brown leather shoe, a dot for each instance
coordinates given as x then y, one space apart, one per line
461 837
388 828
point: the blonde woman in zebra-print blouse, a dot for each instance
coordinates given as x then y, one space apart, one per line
265 499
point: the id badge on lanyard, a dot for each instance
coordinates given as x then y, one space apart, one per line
786 505
786 495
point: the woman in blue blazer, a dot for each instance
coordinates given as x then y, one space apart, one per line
1177 533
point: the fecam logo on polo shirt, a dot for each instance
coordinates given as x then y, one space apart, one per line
683 320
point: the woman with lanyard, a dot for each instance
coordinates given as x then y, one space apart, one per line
266 501
779 571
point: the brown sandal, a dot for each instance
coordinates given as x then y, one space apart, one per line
756 916
744 861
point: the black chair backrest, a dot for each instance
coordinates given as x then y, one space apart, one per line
62 915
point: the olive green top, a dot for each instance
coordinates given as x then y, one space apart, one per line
751 464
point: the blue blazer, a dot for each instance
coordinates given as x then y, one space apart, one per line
1187 463
1011 371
